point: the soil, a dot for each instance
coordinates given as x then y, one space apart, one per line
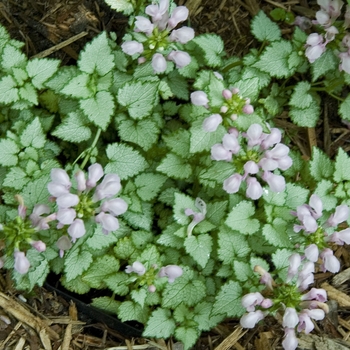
45 319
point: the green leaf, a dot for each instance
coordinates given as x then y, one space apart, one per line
99 109
281 261
187 335
148 185
296 195
139 296
179 142
8 154
141 132
276 233
73 128
202 140
76 285
307 117
239 219
321 167
40 70
97 56
77 87
139 98
76 262
342 166
129 311
99 240
27 92
16 178
199 247
124 6
183 202
344 109
248 88
184 290
106 303
36 191
300 97
8 90
264 29
117 283
141 220
12 57
231 245
178 85
33 135
101 268
242 270
228 301
160 324
274 59
216 211
124 161
212 47
325 190
326 63
174 166
204 318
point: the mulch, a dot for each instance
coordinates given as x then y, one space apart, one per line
44 319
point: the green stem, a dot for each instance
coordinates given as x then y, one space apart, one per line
88 151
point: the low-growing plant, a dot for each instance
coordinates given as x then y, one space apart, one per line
153 169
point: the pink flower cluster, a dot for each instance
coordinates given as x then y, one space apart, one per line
75 208
170 271
325 17
261 154
315 232
298 308
19 233
232 106
160 42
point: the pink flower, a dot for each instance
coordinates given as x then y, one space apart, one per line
311 252
180 58
40 246
66 216
340 215
22 263
182 35
61 177
115 206
317 294
143 24
170 271
76 229
219 152
199 98
158 63
344 62
179 14
109 187
290 318
254 134
290 341
81 182
95 172
249 301
233 183
132 47
277 183
230 142
294 263
136 267
330 262
63 243
157 11
254 189
341 237
211 123
67 200
251 319
109 222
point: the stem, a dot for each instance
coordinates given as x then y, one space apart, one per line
88 151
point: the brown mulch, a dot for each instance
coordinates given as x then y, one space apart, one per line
45 320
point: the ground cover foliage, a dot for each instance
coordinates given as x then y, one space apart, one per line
153 169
